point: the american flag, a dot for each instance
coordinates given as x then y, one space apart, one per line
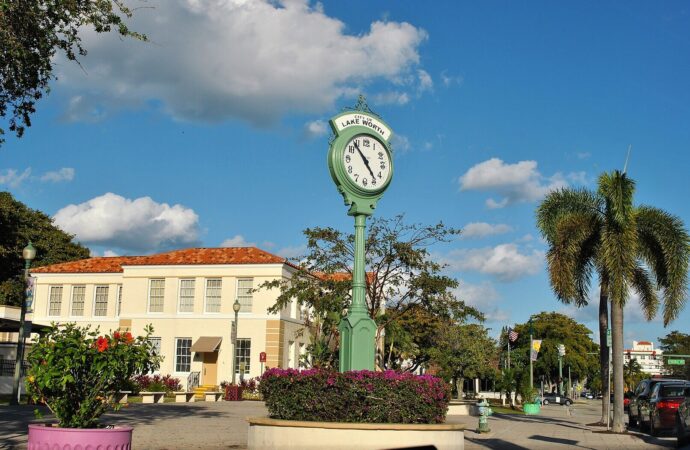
512 335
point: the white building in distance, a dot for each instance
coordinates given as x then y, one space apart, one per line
650 360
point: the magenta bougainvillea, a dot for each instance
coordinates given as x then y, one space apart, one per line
356 396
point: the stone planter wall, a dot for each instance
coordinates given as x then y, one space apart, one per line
266 433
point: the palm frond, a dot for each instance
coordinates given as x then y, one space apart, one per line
617 191
665 247
561 203
643 284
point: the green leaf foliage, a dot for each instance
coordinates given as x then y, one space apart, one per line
75 371
356 396
31 33
676 343
19 225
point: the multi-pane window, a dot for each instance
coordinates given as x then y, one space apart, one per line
183 354
119 300
156 293
213 288
156 345
243 350
186 296
78 298
55 301
244 293
100 305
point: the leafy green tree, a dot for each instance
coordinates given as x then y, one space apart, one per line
31 32
19 225
677 343
642 248
464 351
633 374
402 278
554 329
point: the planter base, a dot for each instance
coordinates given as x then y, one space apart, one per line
265 433
531 409
55 438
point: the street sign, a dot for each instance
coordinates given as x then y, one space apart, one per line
262 357
675 362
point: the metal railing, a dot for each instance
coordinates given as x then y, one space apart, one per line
7 367
193 380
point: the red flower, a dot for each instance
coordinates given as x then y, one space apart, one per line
102 344
128 337
116 335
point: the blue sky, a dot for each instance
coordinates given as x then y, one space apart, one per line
215 131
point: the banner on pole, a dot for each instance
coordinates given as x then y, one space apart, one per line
536 346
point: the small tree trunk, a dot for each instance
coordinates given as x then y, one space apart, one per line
603 347
617 338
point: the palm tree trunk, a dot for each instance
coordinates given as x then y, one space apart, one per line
603 347
617 338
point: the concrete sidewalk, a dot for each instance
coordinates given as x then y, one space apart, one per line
222 425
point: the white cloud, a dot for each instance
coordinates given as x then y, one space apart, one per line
292 252
483 229
12 178
584 155
237 241
484 297
425 81
64 174
392 98
251 60
515 183
505 262
140 225
110 253
428 146
449 80
315 129
400 143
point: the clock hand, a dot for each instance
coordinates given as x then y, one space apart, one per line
366 162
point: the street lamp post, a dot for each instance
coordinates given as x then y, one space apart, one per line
235 307
29 253
561 354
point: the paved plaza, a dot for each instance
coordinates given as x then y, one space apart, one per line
222 426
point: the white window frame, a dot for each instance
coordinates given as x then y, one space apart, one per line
148 301
246 358
50 300
246 307
118 301
291 355
177 339
107 298
220 295
179 295
71 302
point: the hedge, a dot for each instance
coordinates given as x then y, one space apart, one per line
356 396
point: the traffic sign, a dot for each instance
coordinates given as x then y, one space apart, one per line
262 357
608 337
675 362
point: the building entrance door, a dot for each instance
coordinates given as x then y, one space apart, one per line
209 372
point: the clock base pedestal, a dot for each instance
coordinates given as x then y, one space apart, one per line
357 346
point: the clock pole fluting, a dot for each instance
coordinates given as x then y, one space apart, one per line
361 165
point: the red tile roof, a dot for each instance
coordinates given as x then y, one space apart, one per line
110 264
644 343
189 256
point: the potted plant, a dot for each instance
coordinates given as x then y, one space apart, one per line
531 402
75 372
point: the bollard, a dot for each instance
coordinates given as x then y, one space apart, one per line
484 413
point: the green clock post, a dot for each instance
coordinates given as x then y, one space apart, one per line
360 162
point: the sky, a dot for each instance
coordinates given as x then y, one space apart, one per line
215 131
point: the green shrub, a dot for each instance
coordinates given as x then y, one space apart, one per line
357 396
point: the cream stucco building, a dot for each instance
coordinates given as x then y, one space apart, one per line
187 296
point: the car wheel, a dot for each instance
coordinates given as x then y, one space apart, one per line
568 403
652 429
545 402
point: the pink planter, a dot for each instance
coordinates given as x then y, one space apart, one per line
42 437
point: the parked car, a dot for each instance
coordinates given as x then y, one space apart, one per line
638 409
683 420
556 398
587 395
663 406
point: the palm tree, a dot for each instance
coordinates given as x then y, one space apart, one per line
641 248
633 374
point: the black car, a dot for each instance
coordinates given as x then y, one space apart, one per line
638 410
556 398
683 420
664 404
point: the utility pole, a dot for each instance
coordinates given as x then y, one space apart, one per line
531 369
561 354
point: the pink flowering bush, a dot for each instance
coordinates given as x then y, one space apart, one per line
357 396
156 383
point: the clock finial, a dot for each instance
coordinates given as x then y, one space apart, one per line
361 106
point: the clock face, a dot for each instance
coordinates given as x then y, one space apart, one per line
366 162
